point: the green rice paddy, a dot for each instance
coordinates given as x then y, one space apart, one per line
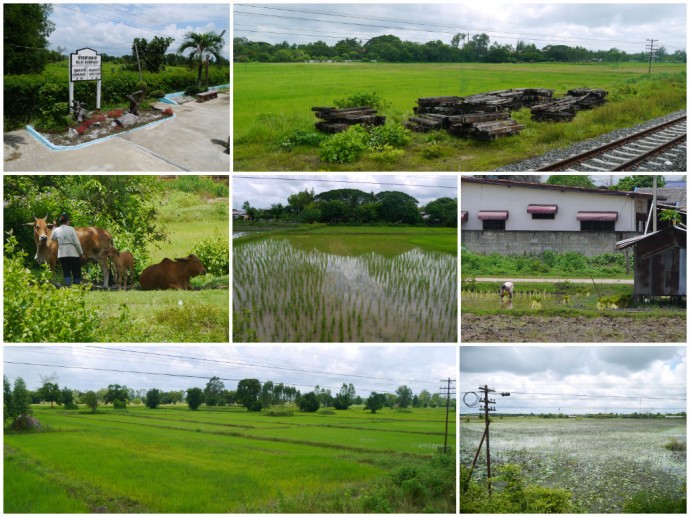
220 460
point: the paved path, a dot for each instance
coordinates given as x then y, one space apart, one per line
193 141
628 281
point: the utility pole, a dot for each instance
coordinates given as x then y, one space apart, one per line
449 391
651 48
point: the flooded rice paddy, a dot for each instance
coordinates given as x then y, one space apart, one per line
296 294
603 462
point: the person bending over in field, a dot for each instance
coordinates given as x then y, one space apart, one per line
507 288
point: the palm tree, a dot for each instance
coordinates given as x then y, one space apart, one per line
203 46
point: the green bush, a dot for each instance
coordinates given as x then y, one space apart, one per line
387 155
393 135
119 404
36 311
432 151
371 99
53 107
157 94
202 185
214 254
193 90
345 147
676 445
302 137
655 502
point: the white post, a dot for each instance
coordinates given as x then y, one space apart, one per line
98 95
71 95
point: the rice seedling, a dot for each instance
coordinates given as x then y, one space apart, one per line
299 294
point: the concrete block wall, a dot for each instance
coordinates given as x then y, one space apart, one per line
525 242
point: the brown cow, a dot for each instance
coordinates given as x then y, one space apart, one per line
171 274
123 266
95 243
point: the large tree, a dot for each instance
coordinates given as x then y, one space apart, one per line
25 37
50 392
203 46
91 400
153 398
116 392
398 207
404 394
248 391
213 393
571 180
443 211
309 402
375 401
195 397
151 54
629 183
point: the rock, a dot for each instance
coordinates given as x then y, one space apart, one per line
126 120
26 423
72 133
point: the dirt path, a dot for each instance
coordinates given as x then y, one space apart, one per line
554 329
625 281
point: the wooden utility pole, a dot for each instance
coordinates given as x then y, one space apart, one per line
448 389
652 49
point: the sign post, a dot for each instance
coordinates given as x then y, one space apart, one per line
85 65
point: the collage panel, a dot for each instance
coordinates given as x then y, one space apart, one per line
103 88
345 258
589 429
230 429
573 258
116 259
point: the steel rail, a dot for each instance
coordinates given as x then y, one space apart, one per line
582 157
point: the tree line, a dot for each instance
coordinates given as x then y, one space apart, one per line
462 49
352 206
250 393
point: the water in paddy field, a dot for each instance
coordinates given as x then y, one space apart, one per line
525 300
297 295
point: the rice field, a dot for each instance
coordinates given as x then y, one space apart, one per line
297 293
603 462
214 460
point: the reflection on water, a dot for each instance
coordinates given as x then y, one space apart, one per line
298 295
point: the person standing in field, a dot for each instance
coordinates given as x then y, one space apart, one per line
70 252
507 287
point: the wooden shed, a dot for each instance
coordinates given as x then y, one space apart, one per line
660 262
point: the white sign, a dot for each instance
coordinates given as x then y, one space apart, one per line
85 65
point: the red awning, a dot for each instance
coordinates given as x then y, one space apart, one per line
464 216
597 216
494 215
542 209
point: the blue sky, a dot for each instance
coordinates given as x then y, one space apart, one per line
111 28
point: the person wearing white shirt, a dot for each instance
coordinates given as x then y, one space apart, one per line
70 252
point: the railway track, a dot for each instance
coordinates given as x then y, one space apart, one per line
629 152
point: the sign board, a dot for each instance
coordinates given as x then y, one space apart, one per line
85 65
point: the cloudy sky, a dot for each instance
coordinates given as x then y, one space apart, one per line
595 26
111 28
545 379
263 191
368 368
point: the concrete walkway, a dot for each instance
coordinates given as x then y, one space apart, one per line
193 141
624 281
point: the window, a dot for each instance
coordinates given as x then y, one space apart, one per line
542 211
598 226
544 216
494 224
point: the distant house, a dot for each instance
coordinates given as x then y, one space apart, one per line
510 217
238 214
660 262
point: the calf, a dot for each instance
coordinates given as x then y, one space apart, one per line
123 264
171 274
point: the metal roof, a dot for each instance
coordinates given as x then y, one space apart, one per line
625 243
668 196
560 188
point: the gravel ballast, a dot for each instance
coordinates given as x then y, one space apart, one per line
671 161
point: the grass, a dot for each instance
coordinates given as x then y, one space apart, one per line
348 284
219 460
173 316
271 103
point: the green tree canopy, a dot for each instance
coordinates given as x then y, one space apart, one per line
571 180
213 393
25 37
91 400
375 402
50 392
444 210
309 402
404 394
248 391
116 393
203 46
195 397
398 207
628 183
151 53
153 398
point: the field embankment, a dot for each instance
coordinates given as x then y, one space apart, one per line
228 460
273 108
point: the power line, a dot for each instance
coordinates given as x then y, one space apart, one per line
344 181
562 395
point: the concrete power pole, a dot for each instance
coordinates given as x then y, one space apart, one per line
448 389
652 49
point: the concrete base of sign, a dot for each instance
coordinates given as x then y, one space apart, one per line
188 142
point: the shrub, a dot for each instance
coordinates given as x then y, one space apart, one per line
387 155
54 109
255 406
392 135
356 100
309 403
193 90
214 254
676 445
654 502
345 147
302 137
194 398
119 404
200 185
33 305
153 398
157 94
432 151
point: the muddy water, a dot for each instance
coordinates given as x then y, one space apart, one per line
482 300
307 295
